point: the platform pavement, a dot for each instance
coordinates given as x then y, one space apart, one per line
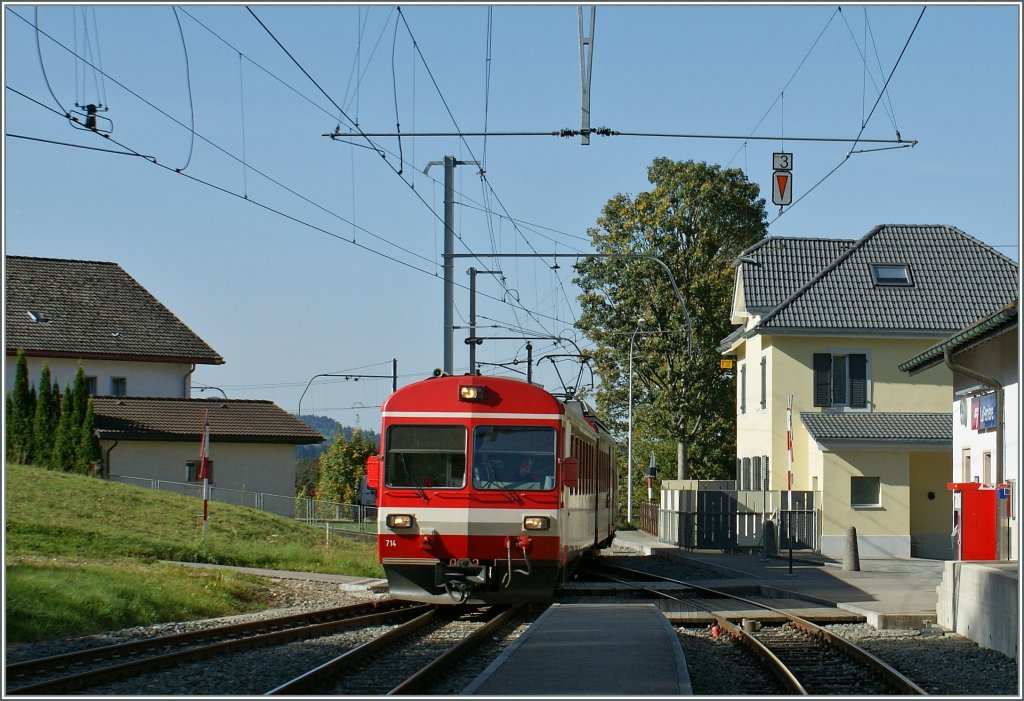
888 592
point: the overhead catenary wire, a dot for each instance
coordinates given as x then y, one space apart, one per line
866 120
188 81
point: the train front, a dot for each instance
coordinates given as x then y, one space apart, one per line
469 489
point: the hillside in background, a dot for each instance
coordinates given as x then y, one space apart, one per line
328 428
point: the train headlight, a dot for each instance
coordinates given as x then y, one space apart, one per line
399 520
471 393
536 523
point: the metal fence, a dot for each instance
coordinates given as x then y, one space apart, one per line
335 516
734 520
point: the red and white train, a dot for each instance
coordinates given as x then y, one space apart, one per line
489 489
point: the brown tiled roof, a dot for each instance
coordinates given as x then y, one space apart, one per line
88 309
170 419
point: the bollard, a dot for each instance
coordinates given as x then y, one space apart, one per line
771 545
851 560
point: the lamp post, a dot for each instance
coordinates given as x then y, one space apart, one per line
349 376
203 388
629 431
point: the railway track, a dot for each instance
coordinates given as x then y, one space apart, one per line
75 671
408 658
801 657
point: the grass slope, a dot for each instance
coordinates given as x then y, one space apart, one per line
81 555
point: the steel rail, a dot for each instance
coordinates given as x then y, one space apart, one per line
412 683
133 647
106 674
316 676
884 671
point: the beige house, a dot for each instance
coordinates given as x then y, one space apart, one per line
252 442
824 325
138 359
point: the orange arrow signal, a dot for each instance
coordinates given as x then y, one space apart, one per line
782 187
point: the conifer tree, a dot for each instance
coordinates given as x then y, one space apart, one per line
89 456
65 442
20 409
44 425
79 409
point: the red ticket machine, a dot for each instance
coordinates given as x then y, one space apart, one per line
975 520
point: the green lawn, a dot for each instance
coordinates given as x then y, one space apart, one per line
82 555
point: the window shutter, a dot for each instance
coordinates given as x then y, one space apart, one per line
822 379
858 380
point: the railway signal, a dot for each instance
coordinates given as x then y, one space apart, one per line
782 178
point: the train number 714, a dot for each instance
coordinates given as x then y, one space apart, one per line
390 543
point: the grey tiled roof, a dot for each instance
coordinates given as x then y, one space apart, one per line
170 419
778 266
956 279
994 324
874 427
89 309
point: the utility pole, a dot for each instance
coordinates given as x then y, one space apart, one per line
586 67
682 458
473 341
449 164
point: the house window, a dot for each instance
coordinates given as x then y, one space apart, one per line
841 380
864 491
965 465
90 386
743 389
119 386
891 274
192 470
764 382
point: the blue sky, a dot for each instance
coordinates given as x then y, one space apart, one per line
241 218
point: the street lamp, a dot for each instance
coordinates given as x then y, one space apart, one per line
629 432
349 376
203 388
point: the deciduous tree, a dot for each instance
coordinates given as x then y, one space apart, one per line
342 466
696 219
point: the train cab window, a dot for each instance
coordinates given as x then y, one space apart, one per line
426 457
514 457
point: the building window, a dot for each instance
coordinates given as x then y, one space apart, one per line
764 382
897 274
965 465
864 491
743 388
986 467
119 386
192 470
90 386
841 380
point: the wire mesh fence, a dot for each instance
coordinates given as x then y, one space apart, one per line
337 518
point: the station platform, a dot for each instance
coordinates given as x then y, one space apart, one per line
887 592
597 646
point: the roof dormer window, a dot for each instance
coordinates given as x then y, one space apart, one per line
891 274
37 317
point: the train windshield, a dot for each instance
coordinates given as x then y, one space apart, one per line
514 457
426 457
